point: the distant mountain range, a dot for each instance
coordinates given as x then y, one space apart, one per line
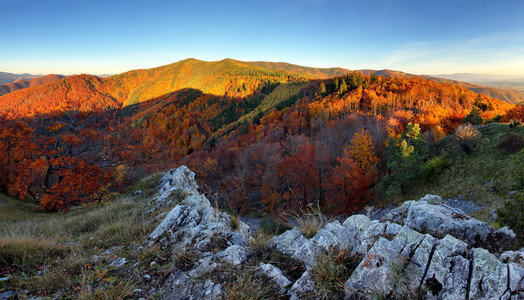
496 81
10 77
130 87
25 83
509 95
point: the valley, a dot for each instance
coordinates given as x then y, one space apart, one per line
83 157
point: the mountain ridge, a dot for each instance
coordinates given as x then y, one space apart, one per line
507 95
6 77
224 77
22 83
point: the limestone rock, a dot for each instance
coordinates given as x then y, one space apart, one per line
180 216
118 263
180 178
182 287
303 288
490 276
440 220
234 254
447 276
275 274
296 245
516 277
513 256
8 295
179 181
194 225
392 267
328 236
432 199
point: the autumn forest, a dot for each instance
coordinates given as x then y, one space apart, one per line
260 136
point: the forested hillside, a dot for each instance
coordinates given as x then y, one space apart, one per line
258 135
22 84
504 94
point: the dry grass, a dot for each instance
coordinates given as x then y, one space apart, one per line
248 285
46 254
309 221
331 272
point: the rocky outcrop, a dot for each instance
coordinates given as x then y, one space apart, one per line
429 216
193 225
423 249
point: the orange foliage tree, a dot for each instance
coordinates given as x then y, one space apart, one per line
354 175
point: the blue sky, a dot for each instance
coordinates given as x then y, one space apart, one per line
421 37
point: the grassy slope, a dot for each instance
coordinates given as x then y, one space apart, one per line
43 254
483 176
68 256
14 210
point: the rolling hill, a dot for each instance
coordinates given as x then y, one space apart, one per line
227 77
22 84
504 94
10 77
87 92
313 72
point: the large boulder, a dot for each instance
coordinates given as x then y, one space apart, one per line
447 275
392 267
358 233
440 220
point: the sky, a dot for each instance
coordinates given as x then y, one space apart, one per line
110 37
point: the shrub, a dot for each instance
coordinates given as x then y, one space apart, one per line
466 136
435 166
511 143
514 123
495 119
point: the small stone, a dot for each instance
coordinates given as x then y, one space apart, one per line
304 287
112 250
234 254
8 295
513 256
432 199
275 274
147 277
118 263
153 263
